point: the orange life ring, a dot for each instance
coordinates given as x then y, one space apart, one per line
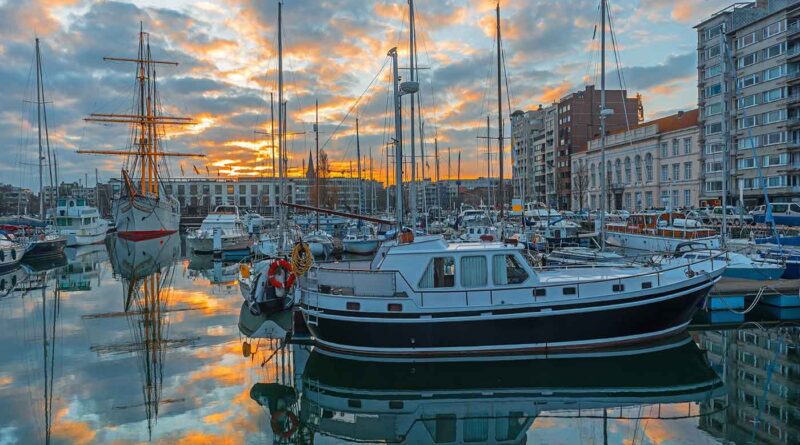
287 267
276 424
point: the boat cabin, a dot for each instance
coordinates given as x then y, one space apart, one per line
75 213
663 224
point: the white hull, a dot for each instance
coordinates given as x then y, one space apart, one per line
146 217
86 238
655 243
363 246
205 244
320 249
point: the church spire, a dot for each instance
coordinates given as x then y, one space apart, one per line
310 173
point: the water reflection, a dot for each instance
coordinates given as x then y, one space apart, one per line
761 370
493 400
147 272
134 344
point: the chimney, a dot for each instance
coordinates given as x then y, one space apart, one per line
762 4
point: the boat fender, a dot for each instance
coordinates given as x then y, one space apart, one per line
280 426
690 273
287 272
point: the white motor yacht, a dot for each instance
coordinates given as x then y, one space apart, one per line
225 221
430 297
80 222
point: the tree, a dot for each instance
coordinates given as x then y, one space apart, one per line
580 182
328 192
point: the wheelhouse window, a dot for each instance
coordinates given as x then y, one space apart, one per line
507 270
473 271
441 272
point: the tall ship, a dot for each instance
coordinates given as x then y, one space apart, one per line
144 209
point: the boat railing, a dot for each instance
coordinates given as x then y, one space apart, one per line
346 280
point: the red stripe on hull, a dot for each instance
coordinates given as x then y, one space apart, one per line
141 235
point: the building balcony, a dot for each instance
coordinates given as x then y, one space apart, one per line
793 98
793 77
793 30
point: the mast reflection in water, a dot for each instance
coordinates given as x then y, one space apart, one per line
146 270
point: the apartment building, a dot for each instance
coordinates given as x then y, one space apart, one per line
748 67
578 121
656 164
17 201
528 154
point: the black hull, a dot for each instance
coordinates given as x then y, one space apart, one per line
595 326
46 249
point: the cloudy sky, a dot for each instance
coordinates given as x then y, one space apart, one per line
335 52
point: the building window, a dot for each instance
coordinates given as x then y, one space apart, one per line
775 138
774 72
628 201
648 167
254 189
746 163
676 172
712 52
687 170
637 163
592 172
713 186
713 109
218 189
774 50
687 146
713 166
627 170
712 90
664 173
648 199
712 71
675 194
243 201
687 198
242 189
773 29
748 81
747 101
747 60
664 150
230 189
771 117
746 40
638 201
713 128
675 147
618 171
773 95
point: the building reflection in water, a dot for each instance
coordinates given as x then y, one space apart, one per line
761 371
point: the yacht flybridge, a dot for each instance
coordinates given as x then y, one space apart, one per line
430 297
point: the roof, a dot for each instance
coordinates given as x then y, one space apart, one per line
674 122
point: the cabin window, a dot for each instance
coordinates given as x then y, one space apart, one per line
618 287
476 429
473 271
511 427
87 220
647 285
444 428
539 292
507 270
441 272
568 291
395 404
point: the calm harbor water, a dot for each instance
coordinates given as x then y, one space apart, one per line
135 342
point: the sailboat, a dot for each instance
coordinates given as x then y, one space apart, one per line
45 242
144 209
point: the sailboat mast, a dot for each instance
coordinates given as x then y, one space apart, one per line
371 185
316 142
281 128
398 148
501 200
360 185
436 160
603 172
488 165
39 125
412 189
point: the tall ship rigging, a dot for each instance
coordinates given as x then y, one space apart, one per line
144 208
